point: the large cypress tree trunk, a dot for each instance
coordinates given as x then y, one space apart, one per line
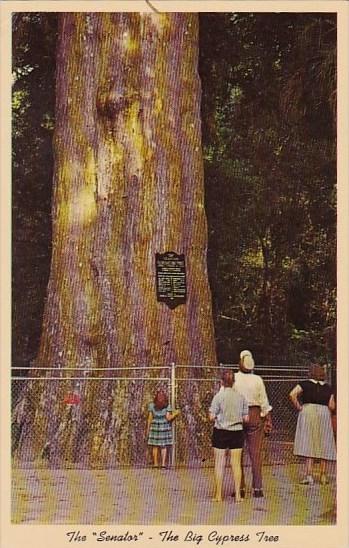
128 184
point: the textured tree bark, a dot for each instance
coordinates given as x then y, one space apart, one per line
128 183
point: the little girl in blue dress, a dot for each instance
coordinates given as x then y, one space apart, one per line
159 428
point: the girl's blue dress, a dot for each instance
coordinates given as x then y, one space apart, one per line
160 432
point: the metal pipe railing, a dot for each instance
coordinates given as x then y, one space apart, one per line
90 378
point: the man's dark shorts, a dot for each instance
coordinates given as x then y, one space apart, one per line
227 439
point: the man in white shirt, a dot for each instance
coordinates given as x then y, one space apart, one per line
252 387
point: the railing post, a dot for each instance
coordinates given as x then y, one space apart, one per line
173 405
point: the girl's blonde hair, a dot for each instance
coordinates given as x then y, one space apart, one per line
228 378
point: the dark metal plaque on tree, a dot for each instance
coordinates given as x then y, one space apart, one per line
171 282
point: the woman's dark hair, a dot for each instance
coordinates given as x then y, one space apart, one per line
160 400
317 372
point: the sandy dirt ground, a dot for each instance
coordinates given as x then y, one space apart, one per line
154 496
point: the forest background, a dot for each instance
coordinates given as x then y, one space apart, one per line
269 126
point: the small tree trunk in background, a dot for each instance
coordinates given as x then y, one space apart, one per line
128 183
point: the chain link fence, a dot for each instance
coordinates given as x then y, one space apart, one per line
111 410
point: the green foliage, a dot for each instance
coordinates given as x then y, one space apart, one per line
268 129
32 124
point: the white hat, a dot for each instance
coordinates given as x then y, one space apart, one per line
247 360
245 353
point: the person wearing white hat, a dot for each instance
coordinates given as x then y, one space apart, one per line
252 387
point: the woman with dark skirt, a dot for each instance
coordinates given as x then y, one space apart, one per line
314 439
